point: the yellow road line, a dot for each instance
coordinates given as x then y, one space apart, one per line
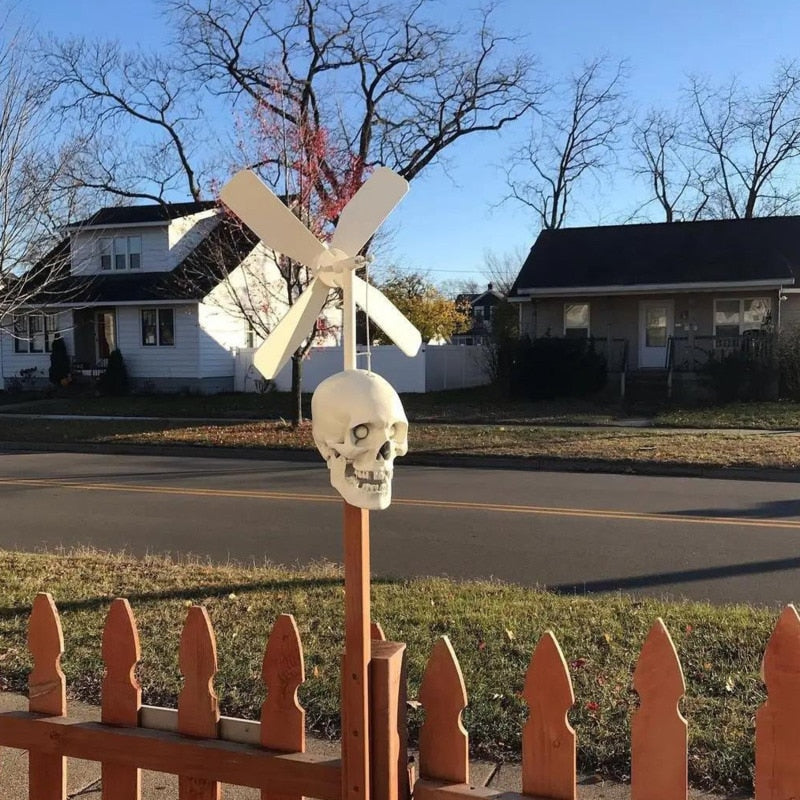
456 505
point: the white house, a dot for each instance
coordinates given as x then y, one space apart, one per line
157 282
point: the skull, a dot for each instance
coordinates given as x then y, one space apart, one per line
359 427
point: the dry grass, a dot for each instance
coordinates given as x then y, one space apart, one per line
624 446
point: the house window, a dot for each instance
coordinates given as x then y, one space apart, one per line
158 327
34 333
121 252
732 317
576 320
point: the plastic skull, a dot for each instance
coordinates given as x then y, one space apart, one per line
359 427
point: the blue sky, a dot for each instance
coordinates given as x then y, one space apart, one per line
447 221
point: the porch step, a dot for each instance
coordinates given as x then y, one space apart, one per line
647 387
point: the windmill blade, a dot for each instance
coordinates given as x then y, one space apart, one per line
367 210
256 205
289 333
387 317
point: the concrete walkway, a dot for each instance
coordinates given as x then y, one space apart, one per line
83 777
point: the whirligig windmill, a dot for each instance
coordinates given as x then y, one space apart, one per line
358 421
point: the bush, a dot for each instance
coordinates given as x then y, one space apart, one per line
60 367
550 367
114 380
788 355
744 375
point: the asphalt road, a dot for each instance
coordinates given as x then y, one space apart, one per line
721 540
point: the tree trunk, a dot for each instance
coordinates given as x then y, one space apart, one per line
297 389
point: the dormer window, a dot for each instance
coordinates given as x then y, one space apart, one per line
120 253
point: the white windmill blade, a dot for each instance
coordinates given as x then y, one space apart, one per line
258 207
290 332
387 317
367 209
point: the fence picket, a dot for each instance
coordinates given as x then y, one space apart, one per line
778 719
548 740
282 717
198 707
47 693
122 694
659 736
443 741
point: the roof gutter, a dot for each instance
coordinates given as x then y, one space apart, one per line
648 288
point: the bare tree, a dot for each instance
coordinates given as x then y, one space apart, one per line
33 203
137 114
571 140
752 139
501 268
679 182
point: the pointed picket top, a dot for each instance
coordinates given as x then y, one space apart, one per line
777 773
198 707
121 653
548 740
443 740
47 690
376 632
659 733
282 717
781 665
658 673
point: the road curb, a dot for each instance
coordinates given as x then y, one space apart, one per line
445 460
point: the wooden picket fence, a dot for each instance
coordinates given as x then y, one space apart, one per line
205 749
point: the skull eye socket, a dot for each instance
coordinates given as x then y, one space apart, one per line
360 432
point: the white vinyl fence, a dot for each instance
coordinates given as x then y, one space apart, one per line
432 369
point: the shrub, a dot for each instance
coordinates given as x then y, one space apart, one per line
788 355
59 362
114 380
552 367
746 374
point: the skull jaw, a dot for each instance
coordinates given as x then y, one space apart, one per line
373 495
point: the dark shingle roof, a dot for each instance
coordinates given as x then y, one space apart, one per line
155 212
218 254
710 251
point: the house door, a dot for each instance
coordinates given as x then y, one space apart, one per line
105 334
655 327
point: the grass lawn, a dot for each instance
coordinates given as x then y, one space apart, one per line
622 446
493 627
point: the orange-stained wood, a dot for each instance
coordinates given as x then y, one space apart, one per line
355 663
548 740
122 695
47 693
198 707
443 741
282 718
376 632
659 737
389 736
160 751
778 720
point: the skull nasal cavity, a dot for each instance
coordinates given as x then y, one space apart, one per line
386 450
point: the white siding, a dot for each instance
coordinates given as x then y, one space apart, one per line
85 252
178 361
220 335
12 362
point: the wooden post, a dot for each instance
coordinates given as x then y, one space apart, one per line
47 693
357 651
122 695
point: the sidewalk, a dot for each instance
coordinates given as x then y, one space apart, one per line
83 777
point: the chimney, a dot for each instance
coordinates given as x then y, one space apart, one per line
490 287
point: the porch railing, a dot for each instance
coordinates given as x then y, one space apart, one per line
692 353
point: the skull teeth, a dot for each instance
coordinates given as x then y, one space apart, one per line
368 480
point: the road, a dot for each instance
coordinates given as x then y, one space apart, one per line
721 540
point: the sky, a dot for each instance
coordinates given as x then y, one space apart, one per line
451 216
